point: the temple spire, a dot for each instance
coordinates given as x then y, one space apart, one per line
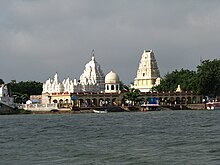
148 74
93 55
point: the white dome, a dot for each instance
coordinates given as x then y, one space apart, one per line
111 77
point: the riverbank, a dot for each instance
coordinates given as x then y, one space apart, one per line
109 109
116 109
81 110
184 107
12 111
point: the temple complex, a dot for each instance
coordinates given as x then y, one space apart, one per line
148 74
95 89
92 80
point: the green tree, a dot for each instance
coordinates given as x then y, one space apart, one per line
122 86
208 78
22 90
131 94
185 78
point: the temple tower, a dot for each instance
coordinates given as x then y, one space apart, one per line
92 76
148 74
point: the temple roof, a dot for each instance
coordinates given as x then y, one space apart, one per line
148 68
111 77
92 73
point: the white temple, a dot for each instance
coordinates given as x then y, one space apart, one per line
148 74
91 80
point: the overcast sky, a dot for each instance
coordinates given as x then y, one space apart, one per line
41 37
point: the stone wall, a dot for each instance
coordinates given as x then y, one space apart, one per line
4 109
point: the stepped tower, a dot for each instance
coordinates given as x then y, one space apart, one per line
92 73
92 79
148 74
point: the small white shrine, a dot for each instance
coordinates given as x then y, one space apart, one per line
178 89
148 74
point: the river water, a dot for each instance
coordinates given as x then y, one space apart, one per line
163 137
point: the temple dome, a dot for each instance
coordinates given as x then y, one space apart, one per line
111 77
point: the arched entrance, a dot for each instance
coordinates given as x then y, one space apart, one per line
183 100
160 100
114 101
194 100
101 102
94 102
61 101
177 100
88 102
172 100
107 101
189 100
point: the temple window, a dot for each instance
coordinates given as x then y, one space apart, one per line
112 87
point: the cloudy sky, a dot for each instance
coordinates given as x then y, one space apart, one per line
41 37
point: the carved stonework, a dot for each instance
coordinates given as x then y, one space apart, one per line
91 80
148 74
92 73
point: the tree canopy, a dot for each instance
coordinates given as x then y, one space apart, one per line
205 81
22 90
184 78
208 78
131 94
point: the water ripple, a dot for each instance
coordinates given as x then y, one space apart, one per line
113 138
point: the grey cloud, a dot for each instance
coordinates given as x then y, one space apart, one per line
39 38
